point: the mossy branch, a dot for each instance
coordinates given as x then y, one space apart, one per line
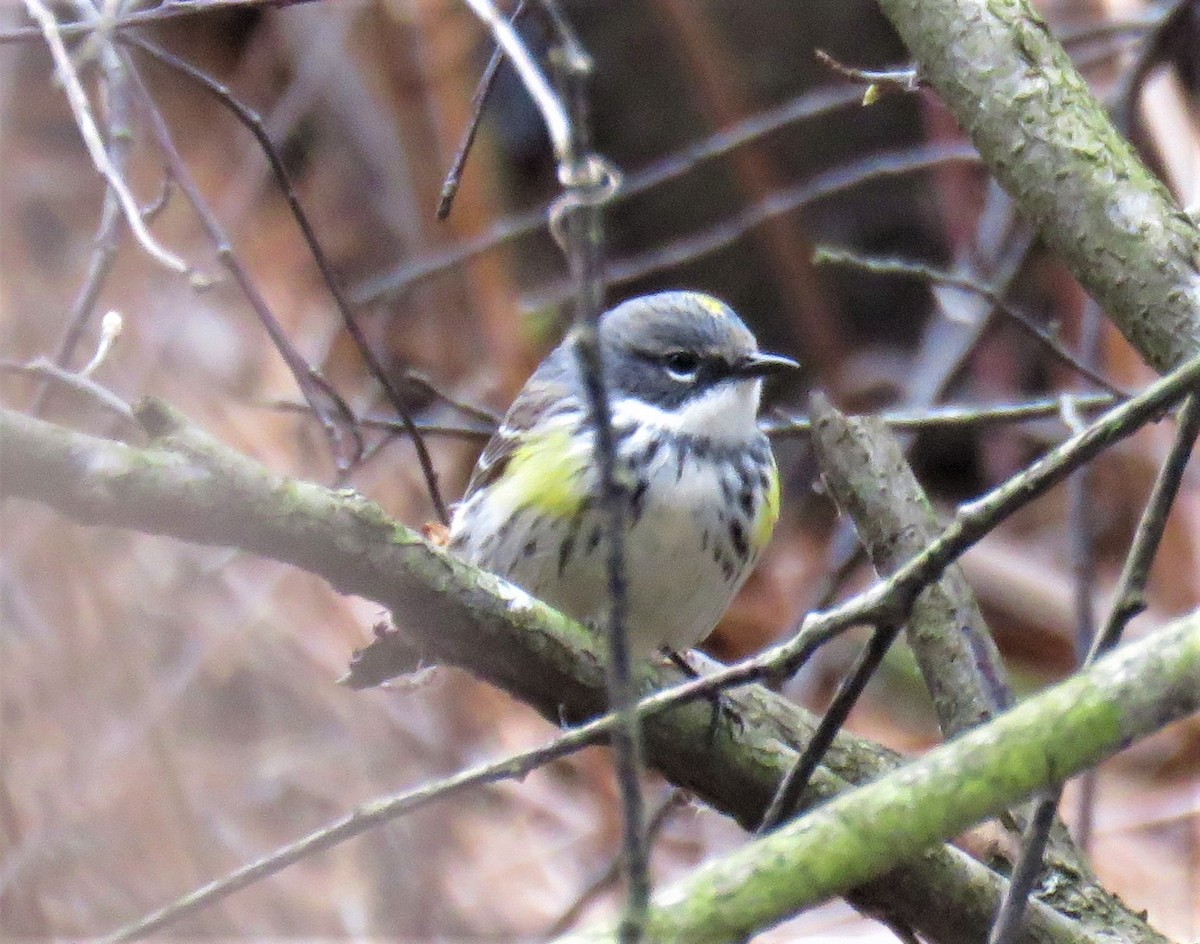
187 485
862 835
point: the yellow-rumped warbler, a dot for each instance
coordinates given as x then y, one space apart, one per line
685 376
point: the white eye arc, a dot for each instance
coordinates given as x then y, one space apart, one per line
682 366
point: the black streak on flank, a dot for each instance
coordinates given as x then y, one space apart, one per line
637 501
651 451
567 548
737 536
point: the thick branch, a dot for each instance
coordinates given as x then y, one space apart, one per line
1049 142
869 478
857 837
189 486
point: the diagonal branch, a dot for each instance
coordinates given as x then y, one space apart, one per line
1051 145
1052 736
187 485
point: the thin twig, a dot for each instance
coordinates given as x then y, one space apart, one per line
335 416
1130 599
108 233
1082 526
357 821
482 91
1132 26
920 270
166 10
80 383
787 797
553 111
476 412
781 426
588 183
675 800
670 167
1025 873
950 416
907 79
251 120
394 427
1168 27
687 249
94 141
580 213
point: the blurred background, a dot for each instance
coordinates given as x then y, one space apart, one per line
170 712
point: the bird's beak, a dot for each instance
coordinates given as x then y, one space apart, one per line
763 365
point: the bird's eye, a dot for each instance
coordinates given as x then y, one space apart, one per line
682 365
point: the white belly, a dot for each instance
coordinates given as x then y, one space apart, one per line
683 559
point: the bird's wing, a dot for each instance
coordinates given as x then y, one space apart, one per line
546 394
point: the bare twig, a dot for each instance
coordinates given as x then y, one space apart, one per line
949 416
166 10
920 270
251 120
905 80
671 167
1130 599
94 141
395 428
1025 873
1167 28
1082 525
553 111
784 426
335 416
78 382
108 233
675 800
357 821
486 83
476 412
795 782
689 248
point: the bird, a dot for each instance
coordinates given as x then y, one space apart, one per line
696 474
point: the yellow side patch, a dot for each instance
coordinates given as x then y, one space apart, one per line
768 513
545 472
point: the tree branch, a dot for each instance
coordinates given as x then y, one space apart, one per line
185 484
1045 740
1050 143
